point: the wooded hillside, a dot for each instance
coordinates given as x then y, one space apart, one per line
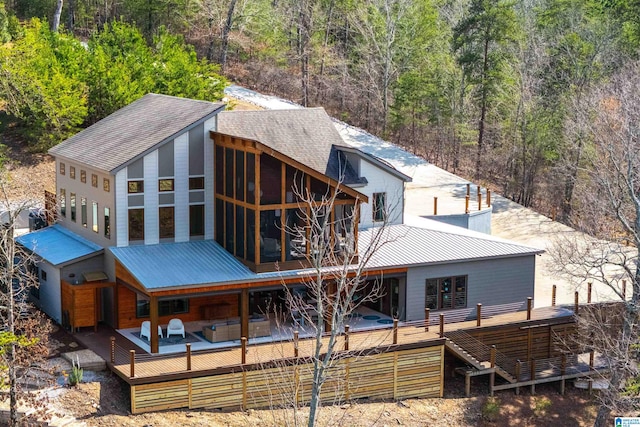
489 89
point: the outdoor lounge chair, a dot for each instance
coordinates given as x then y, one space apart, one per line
176 327
145 330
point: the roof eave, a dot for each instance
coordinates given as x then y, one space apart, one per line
392 170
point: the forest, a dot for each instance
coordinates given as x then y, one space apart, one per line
492 90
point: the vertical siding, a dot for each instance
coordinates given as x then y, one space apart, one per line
151 230
208 178
490 282
121 226
50 297
181 186
380 181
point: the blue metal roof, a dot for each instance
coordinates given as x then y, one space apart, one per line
199 262
57 245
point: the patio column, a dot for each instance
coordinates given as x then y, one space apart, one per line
153 317
244 313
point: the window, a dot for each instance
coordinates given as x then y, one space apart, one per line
107 223
73 206
196 183
105 185
196 220
446 293
94 180
379 206
135 186
62 171
83 176
167 222
136 224
165 185
94 216
83 211
72 172
43 275
165 307
63 202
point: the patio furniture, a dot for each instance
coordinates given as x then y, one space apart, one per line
176 327
145 330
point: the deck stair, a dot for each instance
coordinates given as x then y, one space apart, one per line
478 355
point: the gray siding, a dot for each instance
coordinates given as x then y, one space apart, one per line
490 282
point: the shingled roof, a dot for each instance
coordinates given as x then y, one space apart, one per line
134 130
306 135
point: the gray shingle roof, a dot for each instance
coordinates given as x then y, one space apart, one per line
134 130
306 135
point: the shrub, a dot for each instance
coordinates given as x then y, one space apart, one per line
541 406
491 409
76 374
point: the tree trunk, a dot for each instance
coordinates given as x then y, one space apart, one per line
225 35
304 29
483 108
56 17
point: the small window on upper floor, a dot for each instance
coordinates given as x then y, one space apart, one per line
72 172
94 180
196 183
83 176
135 187
379 206
106 186
62 168
165 184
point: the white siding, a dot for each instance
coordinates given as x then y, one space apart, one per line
381 181
209 125
121 227
50 298
490 282
151 224
181 187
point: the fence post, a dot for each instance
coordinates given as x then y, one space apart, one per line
295 344
435 206
427 313
395 331
488 198
113 350
478 313
479 199
243 342
589 285
493 356
529 305
441 325
591 359
346 338
553 296
466 204
188 356
533 376
575 304
132 363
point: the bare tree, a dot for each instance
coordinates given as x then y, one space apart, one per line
609 118
56 16
24 332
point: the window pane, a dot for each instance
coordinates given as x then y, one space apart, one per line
379 206
461 291
229 227
240 231
446 293
270 240
63 202
167 222
136 224
295 238
94 180
432 294
229 173
142 306
251 235
319 190
239 175
72 172
135 187
83 207
73 206
220 173
219 216
165 185
270 180
83 176
196 220
107 223
196 183
251 178
94 216
105 185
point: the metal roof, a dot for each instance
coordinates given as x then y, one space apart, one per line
57 245
134 130
436 243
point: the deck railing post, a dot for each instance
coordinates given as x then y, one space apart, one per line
488 198
553 296
435 206
441 325
478 314
188 356
493 356
479 199
529 306
575 303
112 353
243 342
466 204
591 359
589 286
427 313
295 344
395 331
346 337
132 363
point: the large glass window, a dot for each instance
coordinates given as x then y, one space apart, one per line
167 222
94 216
107 223
270 235
136 224
446 292
379 206
73 206
165 307
196 220
63 202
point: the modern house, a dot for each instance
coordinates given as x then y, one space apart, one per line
174 208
